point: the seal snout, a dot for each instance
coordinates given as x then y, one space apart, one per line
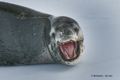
67 34
67 31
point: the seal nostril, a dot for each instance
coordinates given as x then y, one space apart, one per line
53 34
76 29
58 42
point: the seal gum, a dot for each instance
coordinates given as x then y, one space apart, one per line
69 49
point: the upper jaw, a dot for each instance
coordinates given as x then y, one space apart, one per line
62 40
65 38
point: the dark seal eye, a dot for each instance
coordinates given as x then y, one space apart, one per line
76 29
53 34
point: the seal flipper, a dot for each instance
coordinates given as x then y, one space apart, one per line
22 12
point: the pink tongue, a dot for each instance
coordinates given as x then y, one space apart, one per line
68 48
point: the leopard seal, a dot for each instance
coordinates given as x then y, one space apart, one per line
30 37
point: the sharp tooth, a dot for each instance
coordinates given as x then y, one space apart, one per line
68 58
74 52
67 55
71 40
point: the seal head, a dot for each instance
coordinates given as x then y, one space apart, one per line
66 40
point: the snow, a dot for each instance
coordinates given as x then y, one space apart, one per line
99 20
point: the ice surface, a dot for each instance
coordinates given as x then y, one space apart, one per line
99 20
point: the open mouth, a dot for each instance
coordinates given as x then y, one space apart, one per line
69 50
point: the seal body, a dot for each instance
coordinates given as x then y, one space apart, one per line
22 36
26 37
